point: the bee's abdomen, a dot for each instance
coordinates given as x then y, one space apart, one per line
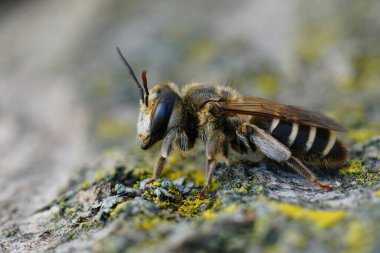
316 145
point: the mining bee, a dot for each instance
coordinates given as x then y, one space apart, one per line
224 121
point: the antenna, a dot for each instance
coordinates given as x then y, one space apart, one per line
143 98
145 84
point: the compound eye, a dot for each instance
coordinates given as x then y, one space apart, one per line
161 117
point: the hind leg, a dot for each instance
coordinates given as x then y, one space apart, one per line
278 152
302 170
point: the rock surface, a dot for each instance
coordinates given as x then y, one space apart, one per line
65 96
250 208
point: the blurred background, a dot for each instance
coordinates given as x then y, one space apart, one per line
65 96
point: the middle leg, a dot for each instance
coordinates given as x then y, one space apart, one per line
215 144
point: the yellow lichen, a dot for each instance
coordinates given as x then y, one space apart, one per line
231 208
145 222
188 171
361 175
99 174
297 239
118 208
70 211
62 205
87 224
377 194
322 218
113 128
141 174
362 134
163 201
348 112
268 83
156 183
190 206
84 185
358 238
214 186
209 214
172 174
201 50
354 166
199 177
311 50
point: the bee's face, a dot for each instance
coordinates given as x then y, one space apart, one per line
154 118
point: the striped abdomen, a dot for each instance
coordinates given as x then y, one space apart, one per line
317 146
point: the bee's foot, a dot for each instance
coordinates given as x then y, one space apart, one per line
325 187
202 195
151 181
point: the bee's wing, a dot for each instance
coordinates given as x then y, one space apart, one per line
248 105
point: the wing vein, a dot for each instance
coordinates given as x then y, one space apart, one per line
290 113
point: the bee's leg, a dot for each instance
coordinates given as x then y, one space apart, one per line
210 171
302 170
214 143
157 169
167 145
278 152
183 143
225 152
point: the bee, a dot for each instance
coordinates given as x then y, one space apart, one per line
225 121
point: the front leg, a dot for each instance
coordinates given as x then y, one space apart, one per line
175 134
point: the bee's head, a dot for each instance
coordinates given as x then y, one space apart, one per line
156 107
154 117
